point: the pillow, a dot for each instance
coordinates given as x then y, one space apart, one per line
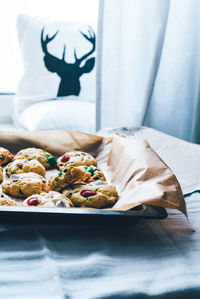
59 115
58 59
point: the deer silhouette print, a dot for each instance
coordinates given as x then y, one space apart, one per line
69 73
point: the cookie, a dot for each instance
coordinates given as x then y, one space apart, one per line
94 174
75 158
1 174
52 199
98 195
5 156
24 184
6 201
65 178
31 153
23 165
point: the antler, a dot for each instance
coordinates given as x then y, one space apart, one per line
47 40
63 56
92 39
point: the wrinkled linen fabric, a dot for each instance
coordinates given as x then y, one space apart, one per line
151 259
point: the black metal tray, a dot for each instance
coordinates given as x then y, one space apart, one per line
79 215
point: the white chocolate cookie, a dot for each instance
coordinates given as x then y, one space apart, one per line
6 200
1 174
52 199
65 178
23 165
75 158
93 174
5 156
31 153
98 194
24 184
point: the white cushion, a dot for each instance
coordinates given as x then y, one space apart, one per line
59 115
51 72
39 102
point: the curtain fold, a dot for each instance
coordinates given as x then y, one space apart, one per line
157 61
148 65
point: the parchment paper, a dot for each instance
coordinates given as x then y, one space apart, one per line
138 173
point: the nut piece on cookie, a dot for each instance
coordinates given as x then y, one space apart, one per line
52 199
94 174
1 174
5 156
65 178
75 158
24 165
98 195
24 184
6 200
31 153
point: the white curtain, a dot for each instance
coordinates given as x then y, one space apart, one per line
148 65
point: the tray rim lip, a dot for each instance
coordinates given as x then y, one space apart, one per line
86 212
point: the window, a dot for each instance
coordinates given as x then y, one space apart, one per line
10 60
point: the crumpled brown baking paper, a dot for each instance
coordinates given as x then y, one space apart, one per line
138 173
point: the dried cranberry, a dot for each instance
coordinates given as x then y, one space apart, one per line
33 201
87 193
65 158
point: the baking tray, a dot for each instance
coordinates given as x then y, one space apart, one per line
78 216
57 142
